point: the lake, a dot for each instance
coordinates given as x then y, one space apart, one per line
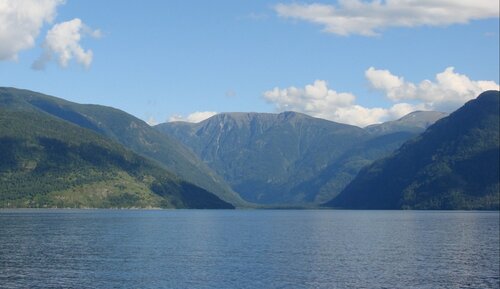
248 249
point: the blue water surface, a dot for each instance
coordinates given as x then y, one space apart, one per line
248 249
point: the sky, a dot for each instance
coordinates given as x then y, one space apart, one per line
356 62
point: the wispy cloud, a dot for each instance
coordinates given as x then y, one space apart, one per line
449 91
63 44
152 121
231 93
193 117
257 16
368 18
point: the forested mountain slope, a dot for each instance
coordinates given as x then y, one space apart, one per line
454 164
127 130
48 162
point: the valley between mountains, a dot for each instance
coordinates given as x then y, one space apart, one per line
56 153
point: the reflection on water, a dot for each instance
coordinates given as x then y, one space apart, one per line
248 249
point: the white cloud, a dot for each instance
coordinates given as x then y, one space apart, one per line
447 93
63 43
368 18
20 24
194 117
395 87
312 99
318 100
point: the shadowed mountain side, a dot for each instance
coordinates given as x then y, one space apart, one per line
454 164
336 176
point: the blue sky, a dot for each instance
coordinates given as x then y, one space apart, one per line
349 61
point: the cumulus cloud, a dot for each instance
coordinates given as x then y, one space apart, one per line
63 43
449 91
20 24
194 117
368 18
318 100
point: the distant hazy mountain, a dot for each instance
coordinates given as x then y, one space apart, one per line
415 122
48 162
286 158
454 164
129 131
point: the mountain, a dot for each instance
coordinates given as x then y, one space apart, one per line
286 158
49 162
127 130
415 122
454 164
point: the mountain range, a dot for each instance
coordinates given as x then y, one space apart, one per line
56 153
